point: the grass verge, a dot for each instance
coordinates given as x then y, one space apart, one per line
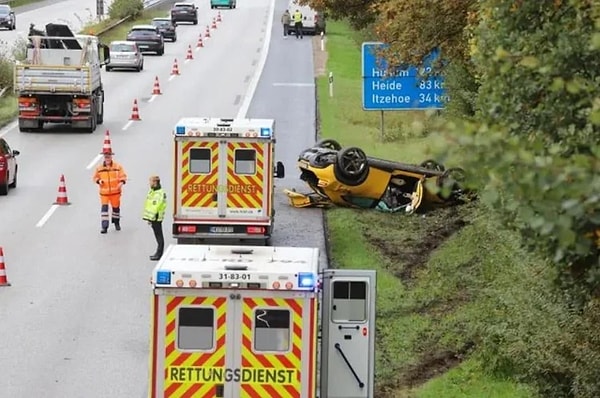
441 275
20 3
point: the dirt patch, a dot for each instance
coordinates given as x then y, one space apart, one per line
319 57
433 364
412 252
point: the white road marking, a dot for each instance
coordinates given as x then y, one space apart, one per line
261 65
127 125
152 98
293 84
46 216
172 77
8 128
94 161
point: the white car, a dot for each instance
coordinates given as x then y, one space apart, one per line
125 55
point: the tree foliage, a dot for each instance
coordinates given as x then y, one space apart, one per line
120 9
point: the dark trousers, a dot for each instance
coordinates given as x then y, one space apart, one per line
158 234
298 26
286 27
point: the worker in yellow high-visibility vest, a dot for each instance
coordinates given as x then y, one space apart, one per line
297 18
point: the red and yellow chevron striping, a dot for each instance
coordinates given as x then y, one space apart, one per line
198 364
248 193
197 190
287 363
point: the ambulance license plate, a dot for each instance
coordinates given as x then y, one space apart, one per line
221 230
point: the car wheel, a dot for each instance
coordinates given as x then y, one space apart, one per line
174 39
108 68
14 183
4 186
329 144
142 66
452 178
431 164
160 52
196 22
352 166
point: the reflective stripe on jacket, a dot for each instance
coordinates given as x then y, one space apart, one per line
110 178
156 205
297 16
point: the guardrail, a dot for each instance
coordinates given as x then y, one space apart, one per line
148 5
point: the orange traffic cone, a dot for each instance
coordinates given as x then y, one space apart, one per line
219 16
207 34
156 88
107 144
214 24
200 44
61 198
3 276
175 68
189 54
135 112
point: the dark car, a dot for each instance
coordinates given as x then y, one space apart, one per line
348 177
147 38
184 12
8 167
166 28
7 17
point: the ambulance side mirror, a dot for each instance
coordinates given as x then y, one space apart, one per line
279 170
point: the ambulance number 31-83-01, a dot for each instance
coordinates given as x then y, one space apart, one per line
234 276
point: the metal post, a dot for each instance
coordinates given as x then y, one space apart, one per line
382 126
331 84
322 42
100 9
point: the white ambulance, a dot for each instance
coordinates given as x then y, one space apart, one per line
224 172
243 322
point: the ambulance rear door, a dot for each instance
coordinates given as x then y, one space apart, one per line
248 180
277 341
192 343
197 178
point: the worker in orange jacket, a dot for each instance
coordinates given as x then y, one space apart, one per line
110 177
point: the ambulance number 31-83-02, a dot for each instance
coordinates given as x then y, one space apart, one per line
234 276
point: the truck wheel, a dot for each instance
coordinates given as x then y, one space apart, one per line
92 126
100 117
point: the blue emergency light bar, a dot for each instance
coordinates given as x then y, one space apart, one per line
163 277
306 279
265 132
180 130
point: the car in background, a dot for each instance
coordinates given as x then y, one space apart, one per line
7 17
223 4
348 177
147 38
8 167
166 28
184 12
125 55
313 22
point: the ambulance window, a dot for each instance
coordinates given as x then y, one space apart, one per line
200 160
349 301
245 161
271 330
196 328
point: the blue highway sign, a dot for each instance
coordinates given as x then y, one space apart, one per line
397 89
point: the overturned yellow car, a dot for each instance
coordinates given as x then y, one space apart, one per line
348 177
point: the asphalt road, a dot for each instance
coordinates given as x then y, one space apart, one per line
286 92
75 321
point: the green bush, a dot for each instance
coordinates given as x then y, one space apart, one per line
120 9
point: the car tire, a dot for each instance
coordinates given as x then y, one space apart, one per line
4 187
196 22
174 39
14 183
352 166
330 144
160 52
108 68
142 66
